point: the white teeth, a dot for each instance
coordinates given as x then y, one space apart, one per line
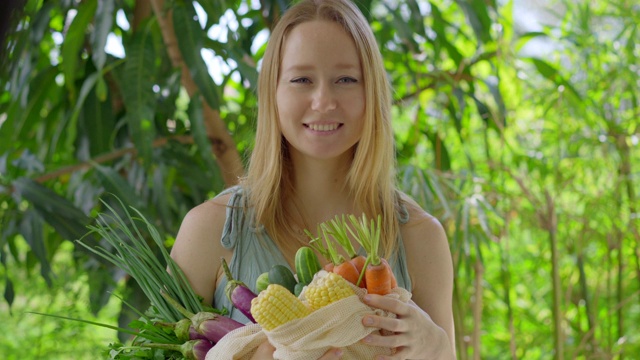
323 127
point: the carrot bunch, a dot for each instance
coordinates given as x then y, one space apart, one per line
336 262
371 272
378 276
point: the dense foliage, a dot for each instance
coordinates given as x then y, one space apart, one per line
523 143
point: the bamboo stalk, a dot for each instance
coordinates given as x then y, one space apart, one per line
458 310
552 228
477 309
506 280
625 176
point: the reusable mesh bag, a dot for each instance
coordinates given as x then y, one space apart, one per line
338 325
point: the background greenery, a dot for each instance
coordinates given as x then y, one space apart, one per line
527 154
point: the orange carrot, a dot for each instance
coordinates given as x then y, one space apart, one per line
378 279
394 282
359 262
328 267
348 271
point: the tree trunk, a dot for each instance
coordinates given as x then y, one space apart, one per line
222 144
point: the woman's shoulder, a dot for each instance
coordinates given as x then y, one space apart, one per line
206 213
419 222
205 222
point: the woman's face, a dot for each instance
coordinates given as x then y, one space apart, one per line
320 94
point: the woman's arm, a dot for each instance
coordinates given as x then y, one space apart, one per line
198 248
431 269
424 327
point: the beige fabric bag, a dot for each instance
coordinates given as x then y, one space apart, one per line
338 325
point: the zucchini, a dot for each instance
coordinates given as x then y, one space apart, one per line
262 281
281 275
307 264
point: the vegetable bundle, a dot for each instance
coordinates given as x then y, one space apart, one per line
177 325
279 290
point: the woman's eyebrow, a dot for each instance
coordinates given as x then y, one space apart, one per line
305 67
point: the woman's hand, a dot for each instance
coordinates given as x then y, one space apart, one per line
265 352
414 334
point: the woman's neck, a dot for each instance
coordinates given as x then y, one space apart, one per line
320 189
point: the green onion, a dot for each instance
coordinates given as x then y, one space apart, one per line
134 255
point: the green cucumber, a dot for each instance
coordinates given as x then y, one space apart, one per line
262 282
307 264
298 289
281 275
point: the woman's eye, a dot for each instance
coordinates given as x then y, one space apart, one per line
347 80
301 80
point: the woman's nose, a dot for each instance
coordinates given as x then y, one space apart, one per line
323 99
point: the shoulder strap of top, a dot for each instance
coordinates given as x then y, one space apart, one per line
238 217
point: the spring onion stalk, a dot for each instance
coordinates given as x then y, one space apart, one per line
129 250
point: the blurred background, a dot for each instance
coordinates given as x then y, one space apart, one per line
516 125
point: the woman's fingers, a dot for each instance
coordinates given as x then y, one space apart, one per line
264 352
385 323
387 303
332 354
389 341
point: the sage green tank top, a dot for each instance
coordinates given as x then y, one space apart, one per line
254 252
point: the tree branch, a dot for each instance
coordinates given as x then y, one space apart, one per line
185 139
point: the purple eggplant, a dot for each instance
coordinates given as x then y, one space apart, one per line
192 349
211 325
238 293
183 329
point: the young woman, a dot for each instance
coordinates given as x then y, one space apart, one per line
324 147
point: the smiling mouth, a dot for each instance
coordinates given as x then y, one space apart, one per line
323 127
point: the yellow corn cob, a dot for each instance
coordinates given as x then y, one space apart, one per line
326 290
275 306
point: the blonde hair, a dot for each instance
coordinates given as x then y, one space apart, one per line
371 178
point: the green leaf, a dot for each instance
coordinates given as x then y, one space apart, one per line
9 293
69 221
137 87
101 281
442 160
552 74
440 28
26 117
74 41
190 40
199 132
365 8
214 9
478 17
96 124
526 37
102 27
417 19
114 183
247 71
31 228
